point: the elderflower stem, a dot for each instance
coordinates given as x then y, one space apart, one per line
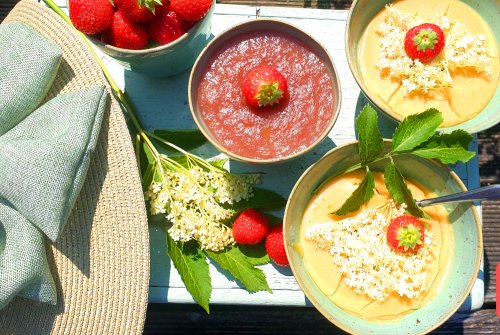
120 96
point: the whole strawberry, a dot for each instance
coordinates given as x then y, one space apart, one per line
191 10
140 10
167 26
125 33
405 234
250 227
91 16
424 42
264 86
275 246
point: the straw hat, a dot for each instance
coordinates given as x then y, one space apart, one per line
101 261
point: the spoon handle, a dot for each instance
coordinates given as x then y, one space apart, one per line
482 193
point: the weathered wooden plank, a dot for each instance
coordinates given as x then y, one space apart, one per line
188 319
323 4
491 236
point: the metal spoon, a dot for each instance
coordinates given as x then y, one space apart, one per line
482 193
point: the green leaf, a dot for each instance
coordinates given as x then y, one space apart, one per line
186 139
447 148
255 254
191 263
234 261
219 163
399 191
361 194
262 198
148 176
370 140
149 155
416 129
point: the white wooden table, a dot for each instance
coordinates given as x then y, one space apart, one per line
162 104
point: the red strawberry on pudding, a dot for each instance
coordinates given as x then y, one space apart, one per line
91 16
167 26
405 234
191 10
264 86
140 10
125 33
424 42
250 227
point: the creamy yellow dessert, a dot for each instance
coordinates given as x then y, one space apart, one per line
350 261
460 82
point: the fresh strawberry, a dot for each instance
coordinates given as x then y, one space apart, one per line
125 33
250 227
191 10
275 246
264 86
405 234
140 10
167 26
91 16
424 42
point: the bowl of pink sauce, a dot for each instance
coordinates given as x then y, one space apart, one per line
269 134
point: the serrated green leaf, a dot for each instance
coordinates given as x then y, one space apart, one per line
255 254
415 130
370 141
234 261
191 263
362 194
186 139
399 191
262 199
219 163
446 155
447 148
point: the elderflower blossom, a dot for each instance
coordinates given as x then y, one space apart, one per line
192 201
370 266
462 50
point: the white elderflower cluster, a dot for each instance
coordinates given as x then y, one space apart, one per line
462 49
192 201
370 266
465 50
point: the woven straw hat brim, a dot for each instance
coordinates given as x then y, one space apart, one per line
101 261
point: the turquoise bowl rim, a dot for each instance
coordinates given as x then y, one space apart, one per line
487 118
430 316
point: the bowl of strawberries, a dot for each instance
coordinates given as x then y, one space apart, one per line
153 37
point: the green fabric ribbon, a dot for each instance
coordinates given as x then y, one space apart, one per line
44 157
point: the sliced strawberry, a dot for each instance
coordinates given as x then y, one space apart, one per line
424 42
167 27
264 86
405 234
250 227
125 33
91 16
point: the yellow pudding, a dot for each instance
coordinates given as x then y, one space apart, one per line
340 287
463 91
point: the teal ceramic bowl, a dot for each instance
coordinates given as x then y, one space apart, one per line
165 60
361 13
468 247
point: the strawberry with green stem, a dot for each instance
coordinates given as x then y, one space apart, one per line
424 42
140 10
405 234
264 86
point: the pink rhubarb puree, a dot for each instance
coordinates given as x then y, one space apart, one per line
275 132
